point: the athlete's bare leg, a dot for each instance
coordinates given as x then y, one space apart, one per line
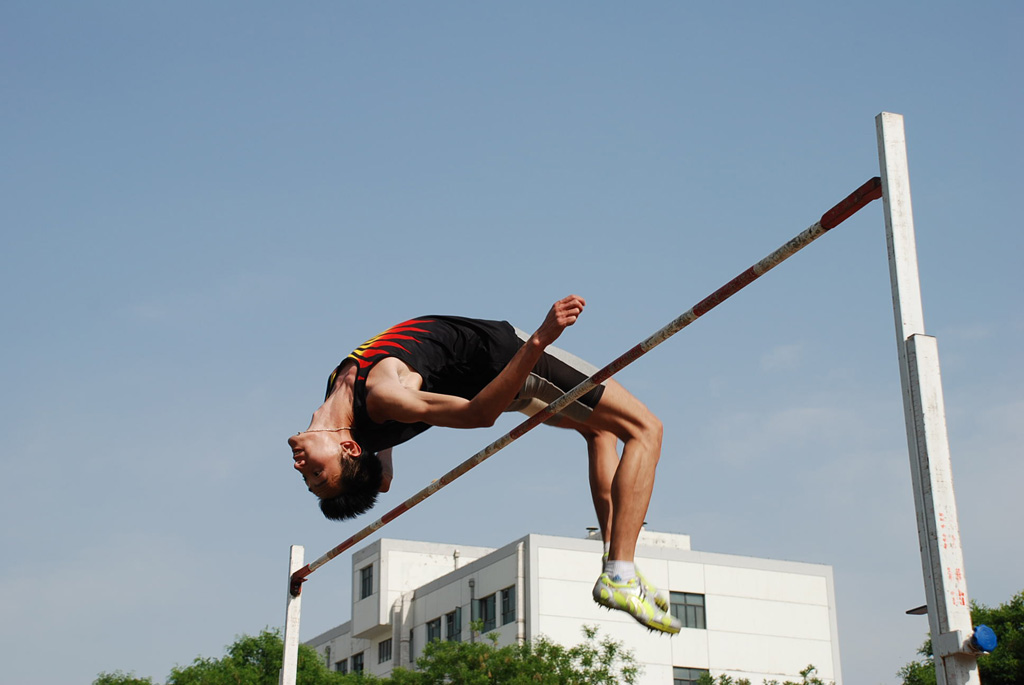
640 431
603 458
621 488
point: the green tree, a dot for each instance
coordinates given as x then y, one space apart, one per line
540 662
256 660
121 678
807 677
1004 666
918 672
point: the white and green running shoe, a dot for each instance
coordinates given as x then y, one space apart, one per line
631 597
660 598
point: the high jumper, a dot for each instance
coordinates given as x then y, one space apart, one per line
459 372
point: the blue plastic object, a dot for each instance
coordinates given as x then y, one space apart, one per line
984 638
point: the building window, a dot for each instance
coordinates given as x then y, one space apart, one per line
412 652
687 676
689 609
434 630
483 610
453 625
327 656
365 581
341 666
357 663
384 651
508 605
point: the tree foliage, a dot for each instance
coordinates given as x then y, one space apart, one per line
121 678
807 677
250 660
540 662
256 660
1004 666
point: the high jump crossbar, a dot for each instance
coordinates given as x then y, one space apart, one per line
871 190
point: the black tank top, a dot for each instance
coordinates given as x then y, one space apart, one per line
454 355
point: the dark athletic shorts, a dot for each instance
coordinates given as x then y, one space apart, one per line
555 374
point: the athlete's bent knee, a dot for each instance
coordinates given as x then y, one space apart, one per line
651 433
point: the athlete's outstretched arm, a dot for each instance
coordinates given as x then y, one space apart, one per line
388 398
499 393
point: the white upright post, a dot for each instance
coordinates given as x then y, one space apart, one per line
949 613
290 662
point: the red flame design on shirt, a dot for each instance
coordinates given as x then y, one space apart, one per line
397 336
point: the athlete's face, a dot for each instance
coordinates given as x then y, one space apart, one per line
318 457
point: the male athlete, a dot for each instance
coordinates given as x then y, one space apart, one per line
463 373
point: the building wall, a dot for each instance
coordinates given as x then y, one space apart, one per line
398 567
765 619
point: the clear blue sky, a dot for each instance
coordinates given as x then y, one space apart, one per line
207 205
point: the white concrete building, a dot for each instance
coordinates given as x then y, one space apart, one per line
748 618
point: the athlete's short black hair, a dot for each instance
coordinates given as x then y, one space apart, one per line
361 479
